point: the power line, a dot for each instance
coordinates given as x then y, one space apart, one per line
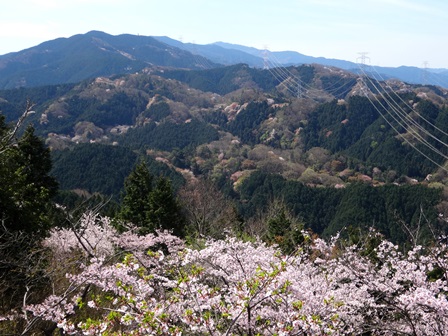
403 119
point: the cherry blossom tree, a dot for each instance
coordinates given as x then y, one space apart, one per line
130 284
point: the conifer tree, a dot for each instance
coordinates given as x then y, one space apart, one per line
138 186
26 188
26 191
283 228
165 212
148 206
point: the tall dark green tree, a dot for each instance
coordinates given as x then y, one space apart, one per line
135 204
165 211
26 191
150 205
283 228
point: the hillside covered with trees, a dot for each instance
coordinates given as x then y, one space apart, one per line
231 124
163 179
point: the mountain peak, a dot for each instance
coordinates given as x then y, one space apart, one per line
72 59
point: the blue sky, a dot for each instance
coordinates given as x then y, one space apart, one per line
393 32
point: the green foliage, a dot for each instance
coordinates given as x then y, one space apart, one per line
360 206
225 79
26 190
11 106
327 210
169 135
246 123
150 206
25 185
305 72
283 228
337 127
102 169
164 210
338 86
216 117
135 205
357 129
93 167
120 109
388 209
158 111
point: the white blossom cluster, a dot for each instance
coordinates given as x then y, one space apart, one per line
156 285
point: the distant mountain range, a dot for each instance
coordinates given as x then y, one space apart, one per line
70 60
228 54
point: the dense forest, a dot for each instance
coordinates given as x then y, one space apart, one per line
242 129
233 161
102 169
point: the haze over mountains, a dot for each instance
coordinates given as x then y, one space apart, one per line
69 60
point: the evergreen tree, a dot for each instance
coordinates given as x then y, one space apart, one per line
165 212
150 207
135 205
26 191
283 228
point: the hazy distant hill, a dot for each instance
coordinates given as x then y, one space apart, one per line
70 60
217 53
233 53
288 57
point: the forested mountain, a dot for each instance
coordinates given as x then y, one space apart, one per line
97 168
70 60
227 53
308 126
193 166
217 53
83 56
316 194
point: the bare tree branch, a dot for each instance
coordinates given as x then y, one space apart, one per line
10 139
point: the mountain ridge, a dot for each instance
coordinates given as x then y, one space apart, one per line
413 75
96 53
236 124
82 56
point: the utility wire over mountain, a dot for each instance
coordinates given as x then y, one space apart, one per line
400 117
294 84
384 100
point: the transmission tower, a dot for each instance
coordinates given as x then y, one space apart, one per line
363 57
265 58
362 63
425 73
